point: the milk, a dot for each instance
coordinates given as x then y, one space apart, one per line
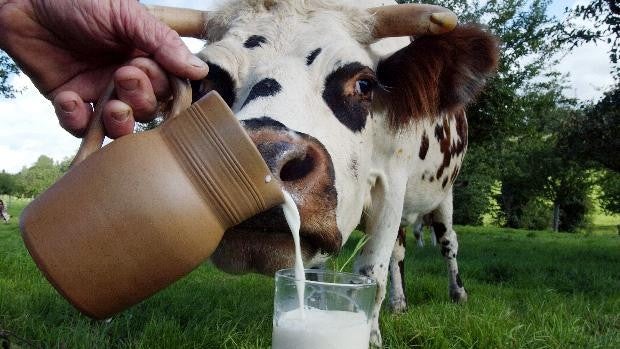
294 222
313 328
321 329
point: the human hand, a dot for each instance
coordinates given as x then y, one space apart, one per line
72 49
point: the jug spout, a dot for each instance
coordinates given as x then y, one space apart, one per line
227 169
147 209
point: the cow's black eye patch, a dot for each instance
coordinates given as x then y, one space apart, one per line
263 122
254 41
312 56
264 88
219 80
348 92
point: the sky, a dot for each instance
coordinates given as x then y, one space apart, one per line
29 128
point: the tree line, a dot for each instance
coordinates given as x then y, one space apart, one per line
33 180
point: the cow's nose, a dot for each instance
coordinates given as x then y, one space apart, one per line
289 160
298 161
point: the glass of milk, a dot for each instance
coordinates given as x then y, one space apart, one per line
336 311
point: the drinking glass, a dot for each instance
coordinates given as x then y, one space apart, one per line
337 310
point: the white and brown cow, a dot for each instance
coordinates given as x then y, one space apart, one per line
354 127
4 214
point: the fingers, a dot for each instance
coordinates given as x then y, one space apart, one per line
157 76
118 119
73 114
135 89
174 56
138 87
154 37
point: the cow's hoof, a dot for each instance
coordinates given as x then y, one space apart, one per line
399 305
375 339
458 295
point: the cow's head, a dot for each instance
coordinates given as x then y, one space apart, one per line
317 93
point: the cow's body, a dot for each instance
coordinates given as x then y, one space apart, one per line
352 128
418 230
4 214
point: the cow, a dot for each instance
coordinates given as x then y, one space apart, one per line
355 119
418 230
4 214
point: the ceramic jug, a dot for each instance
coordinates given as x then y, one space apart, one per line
143 211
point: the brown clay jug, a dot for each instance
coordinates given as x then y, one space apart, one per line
148 208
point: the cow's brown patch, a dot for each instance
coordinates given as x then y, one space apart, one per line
436 74
423 147
444 146
461 131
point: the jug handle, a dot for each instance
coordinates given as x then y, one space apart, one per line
93 140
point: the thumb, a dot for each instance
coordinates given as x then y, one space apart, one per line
150 35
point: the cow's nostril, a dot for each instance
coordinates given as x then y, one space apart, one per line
297 168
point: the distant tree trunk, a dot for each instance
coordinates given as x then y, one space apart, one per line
556 216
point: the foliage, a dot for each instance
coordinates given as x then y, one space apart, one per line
474 187
146 126
603 17
7 68
591 135
7 183
609 183
33 180
536 215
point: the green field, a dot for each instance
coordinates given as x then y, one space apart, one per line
526 289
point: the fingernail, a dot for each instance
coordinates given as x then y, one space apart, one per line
121 116
197 62
68 106
129 85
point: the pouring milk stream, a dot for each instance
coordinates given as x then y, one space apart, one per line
315 328
294 222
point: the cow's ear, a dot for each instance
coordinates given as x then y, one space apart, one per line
436 74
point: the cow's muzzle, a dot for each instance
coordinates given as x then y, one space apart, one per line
304 168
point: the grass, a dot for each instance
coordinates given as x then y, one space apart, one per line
526 290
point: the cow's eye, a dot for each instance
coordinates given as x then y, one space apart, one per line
364 87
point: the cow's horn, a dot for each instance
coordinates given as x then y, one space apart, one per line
186 22
411 20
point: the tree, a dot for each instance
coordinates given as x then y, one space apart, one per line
34 180
7 68
592 134
610 196
590 138
604 16
7 183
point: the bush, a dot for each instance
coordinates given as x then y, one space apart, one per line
473 190
536 215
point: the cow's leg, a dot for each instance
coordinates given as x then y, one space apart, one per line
433 236
418 233
398 300
382 223
442 226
